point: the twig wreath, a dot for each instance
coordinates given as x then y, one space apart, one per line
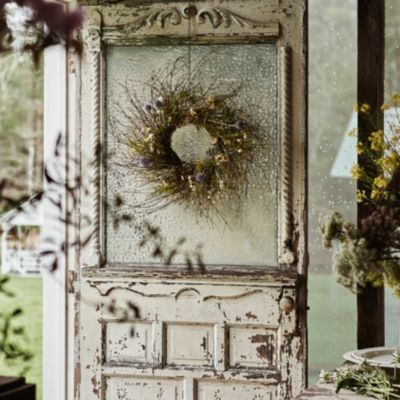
191 143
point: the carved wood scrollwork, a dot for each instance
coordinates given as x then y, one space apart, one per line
215 16
155 18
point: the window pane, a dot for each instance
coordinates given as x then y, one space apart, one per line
245 238
392 84
332 92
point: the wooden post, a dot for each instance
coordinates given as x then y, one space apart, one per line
370 76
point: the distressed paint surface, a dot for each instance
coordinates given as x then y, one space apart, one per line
124 388
234 339
189 345
253 347
243 340
128 342
208 390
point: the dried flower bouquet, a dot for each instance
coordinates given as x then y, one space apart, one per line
370 252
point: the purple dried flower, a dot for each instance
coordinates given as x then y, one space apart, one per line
143 162
239 125
148 107
380 228
199 177
158 103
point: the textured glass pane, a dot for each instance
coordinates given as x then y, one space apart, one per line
332 93
249 238
392 84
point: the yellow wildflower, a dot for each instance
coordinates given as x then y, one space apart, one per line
360 149
374 194
220 158
383 163
390 162
380 182
361 196
210 102
365 108
385 107
149 138
395 97
394 159
356 108
376 140
352 132
356 171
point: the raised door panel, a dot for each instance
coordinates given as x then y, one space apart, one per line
226 344
130 388
214 390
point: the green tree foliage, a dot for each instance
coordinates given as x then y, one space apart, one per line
13 339
21 126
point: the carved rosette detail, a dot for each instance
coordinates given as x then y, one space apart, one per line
216 16
93 40
287 256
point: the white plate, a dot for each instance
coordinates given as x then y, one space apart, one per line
378 356
349 356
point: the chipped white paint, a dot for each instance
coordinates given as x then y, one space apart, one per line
127 388
227 334
236 337
209 390
128 343
189 345
252 346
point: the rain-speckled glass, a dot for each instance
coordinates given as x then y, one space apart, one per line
332 319
245 238
392 84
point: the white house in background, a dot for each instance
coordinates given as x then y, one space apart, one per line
346 157
20 229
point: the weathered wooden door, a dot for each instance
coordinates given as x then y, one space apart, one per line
235 330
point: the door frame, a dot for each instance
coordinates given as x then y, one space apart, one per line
59 304
54 283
